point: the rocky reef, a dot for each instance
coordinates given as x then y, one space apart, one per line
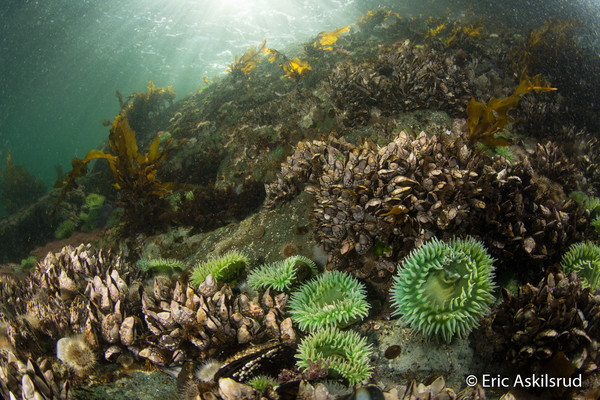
407 147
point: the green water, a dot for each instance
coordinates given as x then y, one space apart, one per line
62 60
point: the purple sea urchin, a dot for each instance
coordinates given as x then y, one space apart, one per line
443 289
282 274
345 352
332 299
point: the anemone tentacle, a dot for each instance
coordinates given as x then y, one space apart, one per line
443 289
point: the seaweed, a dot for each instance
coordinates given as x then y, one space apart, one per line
295 68
459 32
245 64
143 110
549 40
141 194
373 18
486 120
18 187
326 39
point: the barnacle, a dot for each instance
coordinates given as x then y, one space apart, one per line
550 328
443 289
161 265
282 274
345 353
584 258
225 268
332 299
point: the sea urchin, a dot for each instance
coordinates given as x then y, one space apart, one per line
443 289
332 299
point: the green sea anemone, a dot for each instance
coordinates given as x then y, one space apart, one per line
584 258
596 224
443 289
345 353
28 263
591 203
90 212
332 299
261 382
225 268
281 275
161 265
65 229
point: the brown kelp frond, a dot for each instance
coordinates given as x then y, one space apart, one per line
134 173
248 61
486 120
447 32
325 40
294 68
461 32
373 18
547 41
142 109
131 169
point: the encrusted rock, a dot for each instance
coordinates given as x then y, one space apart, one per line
201 325
418 187
556 323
